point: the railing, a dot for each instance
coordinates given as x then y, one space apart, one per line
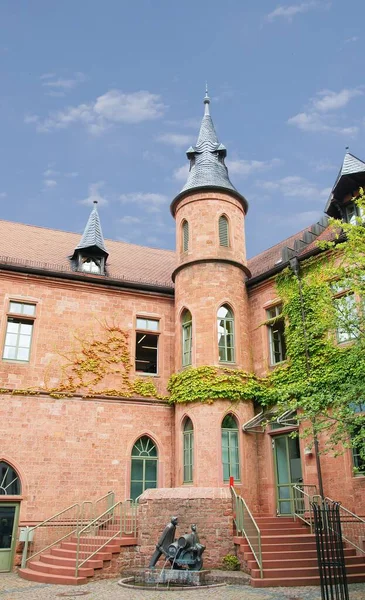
62 525
352 526
119 519
303 497
247 526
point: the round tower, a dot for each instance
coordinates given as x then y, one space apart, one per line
211 306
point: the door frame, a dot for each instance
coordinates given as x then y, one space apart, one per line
14 537
290 485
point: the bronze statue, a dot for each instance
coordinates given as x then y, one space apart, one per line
185 552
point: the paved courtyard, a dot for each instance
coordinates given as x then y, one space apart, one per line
14 588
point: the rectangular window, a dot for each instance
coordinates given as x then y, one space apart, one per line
358 459
147 346
347 317
19 330
230 455
276 330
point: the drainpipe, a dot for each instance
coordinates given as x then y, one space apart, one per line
295 267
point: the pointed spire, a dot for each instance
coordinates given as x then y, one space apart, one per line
93 235
206 101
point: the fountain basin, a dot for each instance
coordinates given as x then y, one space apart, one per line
168 579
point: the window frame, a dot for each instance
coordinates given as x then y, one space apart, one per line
186 326
232 434
144 458
225 334
147 331
223 218
340 292
270 323
21 318
188 449
358 463
185 235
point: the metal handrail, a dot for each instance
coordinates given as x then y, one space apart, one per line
119 519
246 524
74 521
352 527
303 503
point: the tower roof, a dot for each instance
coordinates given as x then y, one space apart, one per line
207 167
93 235
350 176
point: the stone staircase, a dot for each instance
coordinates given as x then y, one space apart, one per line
57 565
289 555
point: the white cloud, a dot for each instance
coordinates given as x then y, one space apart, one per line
291 10
175 139
72 174
49 183
150 202
108 109
352 39
129 220
316 123
246 167
3 194
299 220
323 165
329 100
181 173
318 116
50 173
49 81
95 195
294 186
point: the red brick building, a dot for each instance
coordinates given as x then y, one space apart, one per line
75 424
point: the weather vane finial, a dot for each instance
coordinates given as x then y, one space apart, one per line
206 100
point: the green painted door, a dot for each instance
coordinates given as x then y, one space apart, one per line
288 471
9 513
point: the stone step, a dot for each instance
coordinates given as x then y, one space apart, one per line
43 567
72 554
69 562
90 547
285 573
299 531
299 581
31 575
289 555
127 540
303 561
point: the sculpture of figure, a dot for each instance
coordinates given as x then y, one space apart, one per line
167 537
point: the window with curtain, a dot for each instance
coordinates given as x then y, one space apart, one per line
230 450
188 436
223 231
185 236
186 338
225 334
144 466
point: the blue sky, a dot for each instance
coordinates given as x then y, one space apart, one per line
100 100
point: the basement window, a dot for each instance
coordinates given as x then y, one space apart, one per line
147 334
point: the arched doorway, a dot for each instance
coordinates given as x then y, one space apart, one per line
144 466
9 514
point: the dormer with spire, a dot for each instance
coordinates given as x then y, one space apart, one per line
349 179
90 254
207 167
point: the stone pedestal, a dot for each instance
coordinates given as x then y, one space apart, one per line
175 576
209 508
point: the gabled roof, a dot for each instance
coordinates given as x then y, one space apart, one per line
207 168
93 235
351 170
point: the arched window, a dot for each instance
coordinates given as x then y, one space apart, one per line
223 231
188 435
9 481
230 453
186 338
144 466
225 334
185 236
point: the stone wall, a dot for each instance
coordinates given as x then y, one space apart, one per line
209 508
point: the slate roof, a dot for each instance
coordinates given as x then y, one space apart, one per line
207 168
50 250
351 166
93 235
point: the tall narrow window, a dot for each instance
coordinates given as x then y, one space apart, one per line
185 236
225 334
276 327
147 345
186 338
346 313
358 455
188 436
230 452
9 481
223 231
144 466
19 330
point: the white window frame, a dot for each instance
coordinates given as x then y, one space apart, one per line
21 317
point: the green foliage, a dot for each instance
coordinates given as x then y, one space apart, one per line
231 563
322 379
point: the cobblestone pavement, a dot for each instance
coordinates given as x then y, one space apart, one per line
14 588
